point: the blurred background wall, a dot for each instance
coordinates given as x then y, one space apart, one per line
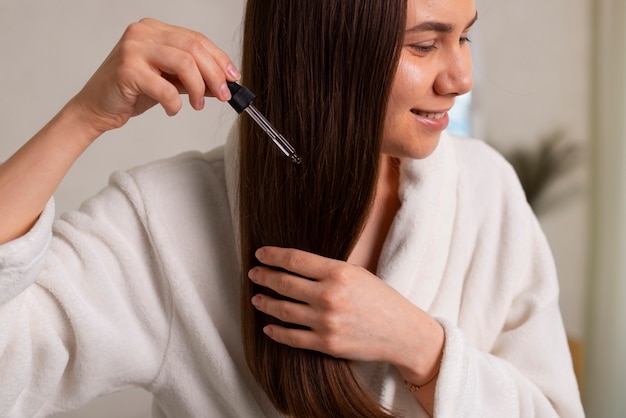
540 67
606 314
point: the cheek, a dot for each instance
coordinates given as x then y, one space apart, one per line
410 83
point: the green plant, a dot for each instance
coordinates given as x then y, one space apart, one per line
540 166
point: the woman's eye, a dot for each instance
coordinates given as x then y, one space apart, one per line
423 49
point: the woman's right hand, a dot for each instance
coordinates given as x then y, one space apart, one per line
153 63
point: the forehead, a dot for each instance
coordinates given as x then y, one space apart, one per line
445 11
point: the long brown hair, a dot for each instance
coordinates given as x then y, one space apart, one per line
322 71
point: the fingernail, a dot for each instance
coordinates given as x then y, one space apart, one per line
260 254
200 104
234 72
256 301
225 92
253 274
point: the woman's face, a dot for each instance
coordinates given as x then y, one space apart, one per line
435 66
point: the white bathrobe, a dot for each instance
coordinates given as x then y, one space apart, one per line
140 288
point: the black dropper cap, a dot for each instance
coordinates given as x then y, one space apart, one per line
241 96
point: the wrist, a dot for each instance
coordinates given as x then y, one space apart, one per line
74 119
420 366
412 387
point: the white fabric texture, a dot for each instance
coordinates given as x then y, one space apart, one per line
140 288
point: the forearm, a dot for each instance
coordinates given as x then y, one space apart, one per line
30 176
128 82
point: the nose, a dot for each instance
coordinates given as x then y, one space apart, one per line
455 77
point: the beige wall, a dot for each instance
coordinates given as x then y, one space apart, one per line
532 77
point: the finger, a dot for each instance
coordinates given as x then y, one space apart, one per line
214 64
219 54
153 85
306 264
285 284
286 311
207 57
181 64
296 338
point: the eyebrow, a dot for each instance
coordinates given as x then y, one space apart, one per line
439 26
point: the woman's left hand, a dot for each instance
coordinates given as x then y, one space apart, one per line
349 312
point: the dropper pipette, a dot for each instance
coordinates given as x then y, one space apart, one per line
241 101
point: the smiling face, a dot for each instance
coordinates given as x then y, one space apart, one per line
435 66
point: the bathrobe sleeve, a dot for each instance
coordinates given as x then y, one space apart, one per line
506 352
83 309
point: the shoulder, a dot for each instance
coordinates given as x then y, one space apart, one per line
184 173
187 186
186 165
484 171
478 157
492 199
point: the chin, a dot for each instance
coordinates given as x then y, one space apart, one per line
417 152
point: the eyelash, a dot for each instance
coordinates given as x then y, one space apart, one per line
426 49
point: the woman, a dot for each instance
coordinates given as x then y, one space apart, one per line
140 287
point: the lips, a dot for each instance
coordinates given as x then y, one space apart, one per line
435 121
430 115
